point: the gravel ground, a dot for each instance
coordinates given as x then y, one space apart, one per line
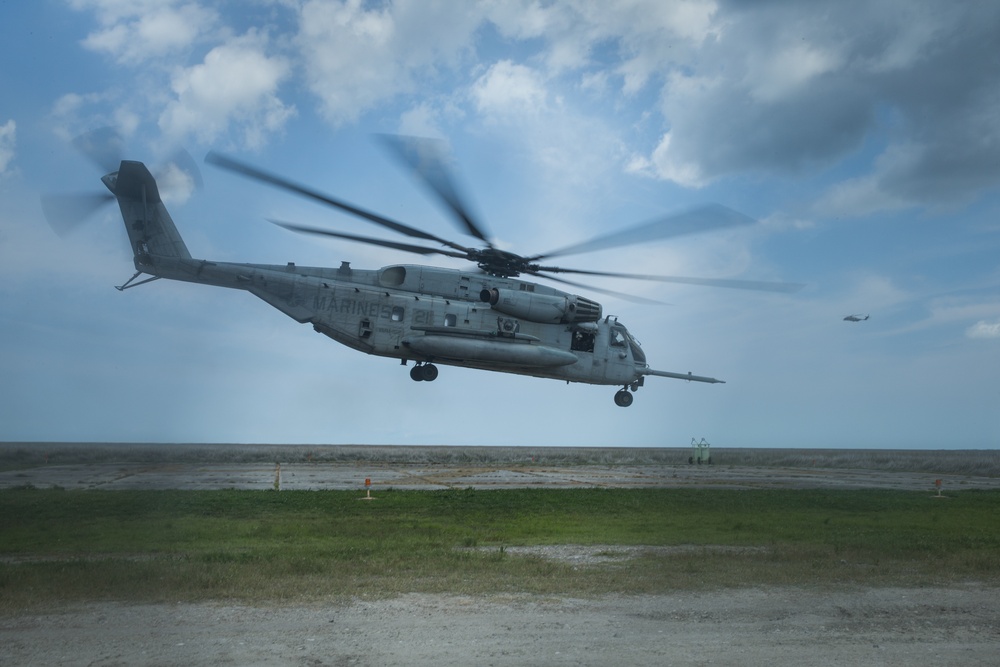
770 627
767 627
341 476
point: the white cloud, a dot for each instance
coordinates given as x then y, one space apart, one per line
421 121
236 84
8 140
983 329
357 57
175 184
666 165
134 32
509 90
648 34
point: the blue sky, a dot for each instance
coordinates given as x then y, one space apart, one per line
863 136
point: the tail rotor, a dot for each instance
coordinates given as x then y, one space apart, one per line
66 212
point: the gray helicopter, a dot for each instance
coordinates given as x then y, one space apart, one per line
487 319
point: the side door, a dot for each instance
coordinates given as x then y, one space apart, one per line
386 322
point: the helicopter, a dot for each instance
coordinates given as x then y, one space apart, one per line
856 318
488 319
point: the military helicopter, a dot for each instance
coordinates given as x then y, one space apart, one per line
856 318
488 319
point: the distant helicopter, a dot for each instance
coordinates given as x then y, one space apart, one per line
855 318
487 319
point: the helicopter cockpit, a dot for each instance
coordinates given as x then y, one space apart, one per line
620 338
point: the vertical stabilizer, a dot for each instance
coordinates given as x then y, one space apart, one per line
151 232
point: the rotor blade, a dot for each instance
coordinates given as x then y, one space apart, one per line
420 250
230 164
695 220
426 158
102 146
620 295
66 211
756 285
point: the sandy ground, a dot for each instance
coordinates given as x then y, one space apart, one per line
768 627
745 627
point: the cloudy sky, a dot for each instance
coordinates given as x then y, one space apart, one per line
863 137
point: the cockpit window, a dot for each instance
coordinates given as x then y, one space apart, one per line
618 337
638 356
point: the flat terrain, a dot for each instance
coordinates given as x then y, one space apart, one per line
747 627
206 467
847 623
343 476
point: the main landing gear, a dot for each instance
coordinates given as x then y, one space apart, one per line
623 398
424 373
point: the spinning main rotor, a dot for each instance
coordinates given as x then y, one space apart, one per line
426 159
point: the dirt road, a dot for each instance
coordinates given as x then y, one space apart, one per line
745 627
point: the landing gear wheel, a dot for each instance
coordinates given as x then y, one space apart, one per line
424 373
429 372
623 398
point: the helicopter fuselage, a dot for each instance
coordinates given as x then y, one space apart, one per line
435 315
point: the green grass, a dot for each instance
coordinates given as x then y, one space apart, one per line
266 546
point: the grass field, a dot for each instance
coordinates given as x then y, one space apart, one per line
271 547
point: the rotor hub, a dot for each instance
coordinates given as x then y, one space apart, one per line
502 264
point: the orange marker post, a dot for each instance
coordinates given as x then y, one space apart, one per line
368 489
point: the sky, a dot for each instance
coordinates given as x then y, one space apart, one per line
862 137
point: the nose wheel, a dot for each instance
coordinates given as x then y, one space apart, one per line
424 373
623 398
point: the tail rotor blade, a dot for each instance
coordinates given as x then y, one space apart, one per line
66 212
103 147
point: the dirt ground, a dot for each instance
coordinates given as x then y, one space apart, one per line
755 626
341 476
955 626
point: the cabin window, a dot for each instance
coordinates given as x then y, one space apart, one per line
450 320
583 341
397 314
